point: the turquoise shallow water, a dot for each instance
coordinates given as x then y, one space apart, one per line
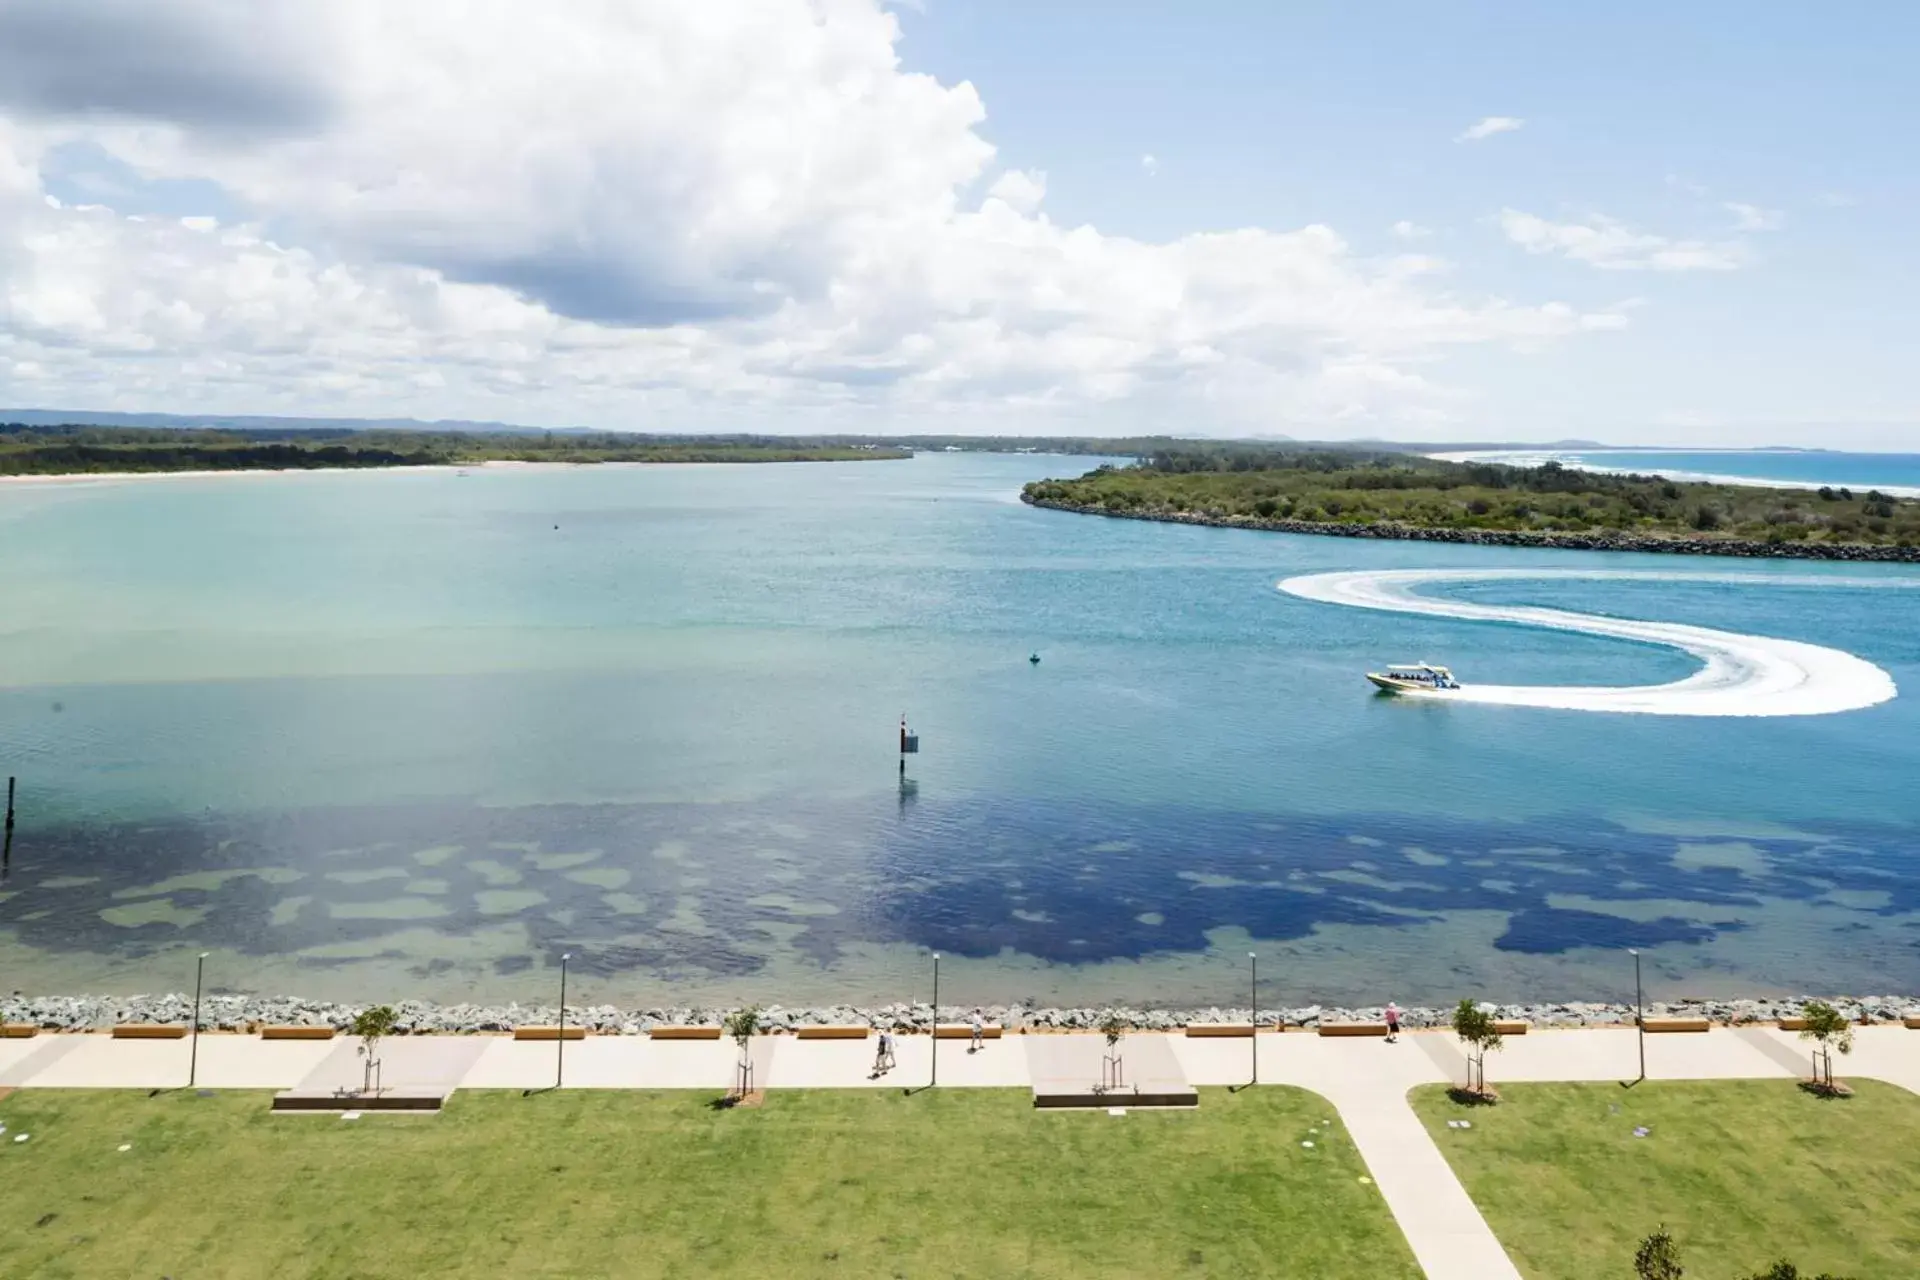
418 733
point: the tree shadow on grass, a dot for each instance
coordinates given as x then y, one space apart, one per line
1826 1090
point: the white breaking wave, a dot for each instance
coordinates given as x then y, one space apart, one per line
1741 676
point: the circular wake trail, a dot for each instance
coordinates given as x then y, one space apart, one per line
1741 675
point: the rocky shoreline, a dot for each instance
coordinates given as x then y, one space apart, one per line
241 1013
1737 547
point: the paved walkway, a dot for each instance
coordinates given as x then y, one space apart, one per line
1367 1081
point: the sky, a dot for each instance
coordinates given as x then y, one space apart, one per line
1639 223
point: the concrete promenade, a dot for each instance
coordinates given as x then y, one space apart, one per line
1366 1080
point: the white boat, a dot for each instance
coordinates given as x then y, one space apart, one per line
1414 677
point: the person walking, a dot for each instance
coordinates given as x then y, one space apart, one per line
1393 1022
979 1032
883 1055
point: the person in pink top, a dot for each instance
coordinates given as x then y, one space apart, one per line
1393 1022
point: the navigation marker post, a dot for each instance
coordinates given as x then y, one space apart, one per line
909 744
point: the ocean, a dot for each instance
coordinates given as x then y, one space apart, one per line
414 734
1894 473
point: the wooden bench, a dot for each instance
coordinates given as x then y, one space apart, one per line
961 1031
296 1032
18 1031
1911 1021
1353 1028
148 1031
1657 1026
1511 1026
1793 1024
685 1033
833 1033
1220 1030
549 1033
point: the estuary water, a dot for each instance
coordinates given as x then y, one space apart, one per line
415 734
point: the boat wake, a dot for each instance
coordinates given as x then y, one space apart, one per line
1741 675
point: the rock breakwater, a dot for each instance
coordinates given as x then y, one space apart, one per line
244 1012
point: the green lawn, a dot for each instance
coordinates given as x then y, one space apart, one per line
578 1184
1742 1172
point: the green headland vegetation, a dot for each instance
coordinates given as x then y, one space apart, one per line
1400 495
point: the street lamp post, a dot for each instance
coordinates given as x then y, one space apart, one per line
1639 1010
560 1045
1253 981
193 1053
934 1078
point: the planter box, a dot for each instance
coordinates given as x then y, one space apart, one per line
18 1031
296 1033
549 1033
833 1033
148 1031
1657 1026
1220 1030
1353 1028
685 1033
948 1031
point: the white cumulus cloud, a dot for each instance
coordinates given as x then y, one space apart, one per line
1404 230
1751 217
676 214
1150 164
1021 188
1487 127
1612 246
